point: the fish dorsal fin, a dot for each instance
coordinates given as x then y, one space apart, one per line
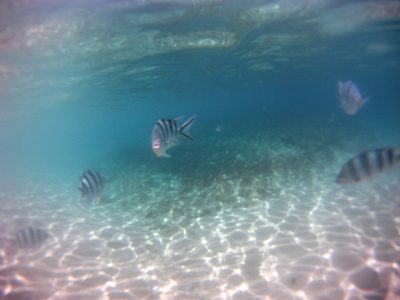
179 118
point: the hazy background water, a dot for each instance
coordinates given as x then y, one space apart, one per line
85 80
248 210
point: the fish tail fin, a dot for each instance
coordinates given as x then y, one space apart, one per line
185 127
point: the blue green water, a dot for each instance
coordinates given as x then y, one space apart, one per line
90 81
83 82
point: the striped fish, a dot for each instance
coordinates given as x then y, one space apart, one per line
166 132
92 185
368 164
31 237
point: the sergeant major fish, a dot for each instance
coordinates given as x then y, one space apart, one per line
368 164
350 97
166 132
92 185
30 237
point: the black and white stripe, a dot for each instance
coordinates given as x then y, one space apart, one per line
368 164
92 185
169 130
31 237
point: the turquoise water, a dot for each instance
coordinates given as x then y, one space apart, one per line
250 209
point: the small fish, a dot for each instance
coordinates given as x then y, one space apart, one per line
166 132
31 237
350 97
219 128
92 185
368 164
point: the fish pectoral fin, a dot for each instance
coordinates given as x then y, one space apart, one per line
81 189
165 154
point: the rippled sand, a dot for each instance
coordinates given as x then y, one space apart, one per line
258 219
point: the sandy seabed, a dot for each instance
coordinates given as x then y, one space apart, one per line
257 219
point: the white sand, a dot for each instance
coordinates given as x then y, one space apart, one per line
269 224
